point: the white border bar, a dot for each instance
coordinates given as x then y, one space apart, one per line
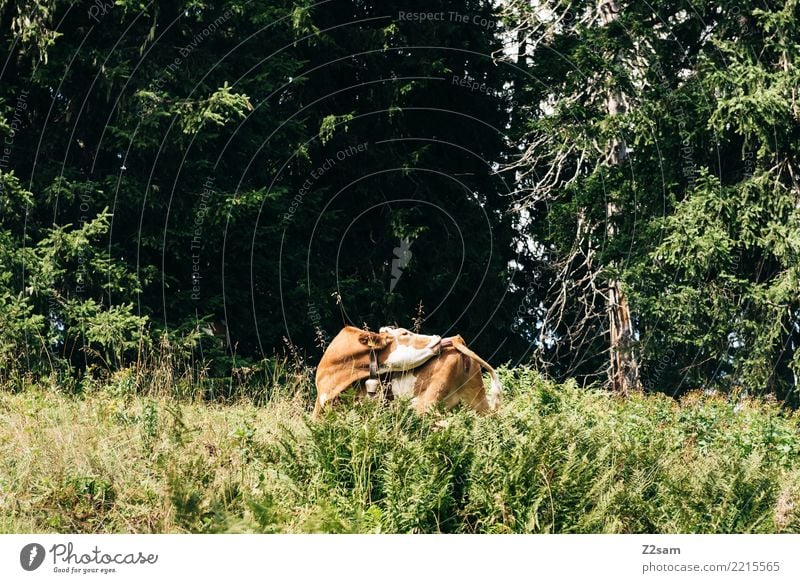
408 558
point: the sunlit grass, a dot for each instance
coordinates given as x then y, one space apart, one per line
557 458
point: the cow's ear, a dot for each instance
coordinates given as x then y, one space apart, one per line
372 340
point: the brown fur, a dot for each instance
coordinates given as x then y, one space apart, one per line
449 379
346 360
453 376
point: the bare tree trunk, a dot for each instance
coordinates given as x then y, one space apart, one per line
623 367
624 371
522 47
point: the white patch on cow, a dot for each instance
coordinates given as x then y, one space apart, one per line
403 385
405 358
404 336
495 393
322 399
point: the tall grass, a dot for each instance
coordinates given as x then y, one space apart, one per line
556 458
178 368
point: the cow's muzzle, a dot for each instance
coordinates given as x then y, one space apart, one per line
435 345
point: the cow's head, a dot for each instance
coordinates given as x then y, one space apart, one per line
399 349
408 350
390 337
405 339
349 356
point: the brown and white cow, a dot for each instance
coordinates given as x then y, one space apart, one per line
425 369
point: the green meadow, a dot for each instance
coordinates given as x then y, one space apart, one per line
557 458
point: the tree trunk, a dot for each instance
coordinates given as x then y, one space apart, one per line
623 368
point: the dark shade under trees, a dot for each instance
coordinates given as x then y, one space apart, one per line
239 179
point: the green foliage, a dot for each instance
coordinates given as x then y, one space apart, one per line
257 165
196 163
203 128
700 219
59 317
219 109
555 459
710 300
83 503
329 125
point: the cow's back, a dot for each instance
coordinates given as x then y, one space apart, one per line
449 379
